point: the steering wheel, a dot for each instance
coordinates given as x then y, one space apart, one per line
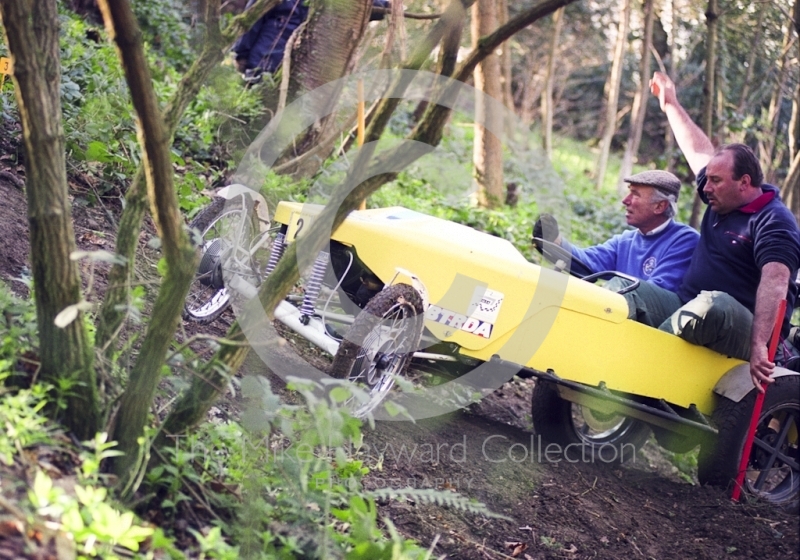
556 254
634 282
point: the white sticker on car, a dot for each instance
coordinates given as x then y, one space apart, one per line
472 325
485 305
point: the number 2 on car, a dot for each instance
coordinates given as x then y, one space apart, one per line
297 224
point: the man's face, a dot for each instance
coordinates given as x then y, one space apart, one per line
725 194
640 210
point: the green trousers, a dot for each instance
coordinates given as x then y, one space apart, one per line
712 319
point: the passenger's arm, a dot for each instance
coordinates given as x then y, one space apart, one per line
772 289
692 141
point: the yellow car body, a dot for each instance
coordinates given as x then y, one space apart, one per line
486 298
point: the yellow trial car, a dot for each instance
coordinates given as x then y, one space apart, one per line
395 290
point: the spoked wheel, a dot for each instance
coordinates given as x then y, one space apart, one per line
583 433
380 343
222 225
773 469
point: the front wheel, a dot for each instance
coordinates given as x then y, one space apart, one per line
219 229
583 433
378 346
773 469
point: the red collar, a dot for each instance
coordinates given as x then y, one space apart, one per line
758 203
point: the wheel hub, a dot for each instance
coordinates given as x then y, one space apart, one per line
209 272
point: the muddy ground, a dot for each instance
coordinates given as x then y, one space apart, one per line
555 509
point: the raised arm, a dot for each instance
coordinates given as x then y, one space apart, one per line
692 141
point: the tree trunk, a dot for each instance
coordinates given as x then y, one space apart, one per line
506 71
65 352
794 124
639 109
767 153
547 94
612 91
325 53
178 252
215 44
669 138
708 93
790 192
751 63
488 148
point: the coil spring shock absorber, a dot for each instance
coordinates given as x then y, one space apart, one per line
278 247
313 286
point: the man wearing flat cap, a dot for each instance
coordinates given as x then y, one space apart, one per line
658 250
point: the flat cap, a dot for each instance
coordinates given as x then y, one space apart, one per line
664 181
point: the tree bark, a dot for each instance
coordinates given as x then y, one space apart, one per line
669 138
178 252
612 91
547 94
708 92
639 109
769 143
488 148
215 46
325 53
790 192
505 60
32 34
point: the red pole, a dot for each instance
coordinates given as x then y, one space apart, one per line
751 431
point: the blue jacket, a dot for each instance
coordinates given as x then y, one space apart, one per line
661 258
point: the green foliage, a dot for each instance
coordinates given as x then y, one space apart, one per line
88 518
166 27
291 479
24 425
98 115
686 463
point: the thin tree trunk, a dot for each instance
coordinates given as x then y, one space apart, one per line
178 252
31 29
751 63
215 45
712 15
488 148
612 91
669 138
547 94
794 124
507 74
767 154
639 109
790 192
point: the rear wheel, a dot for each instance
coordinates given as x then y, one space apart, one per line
773 469
380 343
583 433
222 226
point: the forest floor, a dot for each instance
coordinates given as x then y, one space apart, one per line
642 509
